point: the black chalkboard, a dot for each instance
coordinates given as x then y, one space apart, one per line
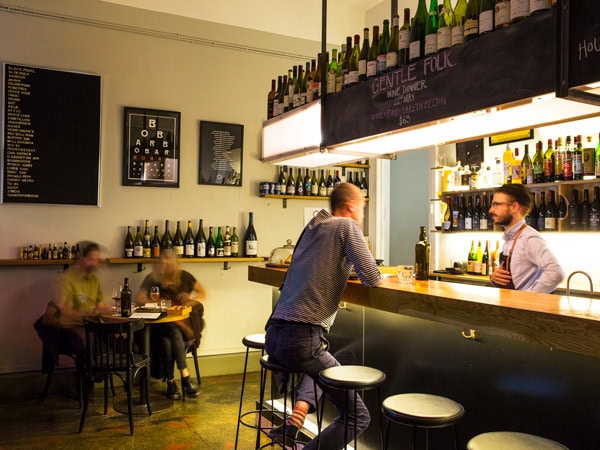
583 28
498 68
51 132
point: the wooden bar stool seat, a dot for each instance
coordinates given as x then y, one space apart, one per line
502 440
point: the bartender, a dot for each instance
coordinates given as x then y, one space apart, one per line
526 262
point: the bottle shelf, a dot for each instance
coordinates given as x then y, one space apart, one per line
286 197
534 186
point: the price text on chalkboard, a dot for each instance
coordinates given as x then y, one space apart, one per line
51 136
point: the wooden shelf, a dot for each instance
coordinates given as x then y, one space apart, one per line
285 197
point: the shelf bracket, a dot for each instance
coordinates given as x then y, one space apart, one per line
226 265
284 203
140 267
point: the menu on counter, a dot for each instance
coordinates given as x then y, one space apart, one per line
51 131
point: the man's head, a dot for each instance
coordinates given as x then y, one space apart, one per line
347 201
510 203
91 256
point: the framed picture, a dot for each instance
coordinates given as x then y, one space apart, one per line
512 136
151 147
221 151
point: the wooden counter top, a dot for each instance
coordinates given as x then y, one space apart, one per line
555 321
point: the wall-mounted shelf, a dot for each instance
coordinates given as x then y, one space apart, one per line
285 197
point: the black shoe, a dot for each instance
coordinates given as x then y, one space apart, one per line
189 387
173 390
291 434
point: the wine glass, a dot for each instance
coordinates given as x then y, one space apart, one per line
155 293
116 296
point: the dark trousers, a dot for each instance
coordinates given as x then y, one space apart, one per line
168 346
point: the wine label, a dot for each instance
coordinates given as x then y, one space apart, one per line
381 63
189 249
471 27
458 35
391 60
502 14
362 67
404 39
538 5
431 44
519 9
371 68
486 21
353 77
444 38
251 248
414 50
138 251
201 249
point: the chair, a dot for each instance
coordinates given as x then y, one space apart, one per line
191 347
501 440
422 411
110 352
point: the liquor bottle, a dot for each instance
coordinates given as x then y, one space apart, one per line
316 81
314 184
307 183
276 99
354 62
538 164
364 185
364 57
384 41
507 161
219 246
36 252
578 159
469 215
531 217
125 299
404 39
446 19
458 27
447 223
166 242
559 156
502 14
541 215
339 78
550 222
349 178
235 243
357 180
597 160
346 63
537 6
483 220
471 29
271 99
155 243
330 184
460 225
584 218
332 72
416 47
281 180
54 252
305 83
515 176
549 163
189 243
431 28
291 183
178 241
588 159
562 207
299 188
200 241
486 16
477 213
250 238
391 58
372 61
283 95
147 242
292 79
337 180
526 167
455 214
478 259
138 244
227 242
471 258
568 160
77 252
65 255
422 249
573 210
595 210
519 10
128 247
211 250
296 99
322 185
485 260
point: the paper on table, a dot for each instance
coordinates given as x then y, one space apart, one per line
145 315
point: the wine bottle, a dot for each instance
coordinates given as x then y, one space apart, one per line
538 164
322 185
515 176
597 160
147 242
219 246
526 167
471 29
502 14
281 180
431 29
364 57
461 214
537 6
458 27
227 242
541 215
559 156
178 241
372 61
384 41
307 183
189 243
155 243
573 210
250 238
477 213
291 183
391 59
283 95
235 244
584 218
562 207
299 188
471 258
271 99
339 78
305 83
337 180
446 19
507 160
588 159
578 159
478 259
211 250
330 184
276 99
519 10
200 241
128 247
595 210
455 214
531 217
549 163
166 242
125 299
349 178
469 215
404 38
332 72
551 213
416 47
486 16
568 160
364 185
138 244
346 63
354 62
447 223
484 217
422 249
314 184
485 260
296 99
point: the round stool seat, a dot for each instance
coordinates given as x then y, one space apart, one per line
351 377
254 341
273 366
502 440
422 410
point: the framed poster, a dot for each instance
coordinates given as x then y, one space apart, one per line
221 150
151 147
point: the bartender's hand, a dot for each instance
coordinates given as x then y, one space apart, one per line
500 277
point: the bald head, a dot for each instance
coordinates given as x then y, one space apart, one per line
347 201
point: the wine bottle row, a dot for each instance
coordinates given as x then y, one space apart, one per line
309 185
221 241
427 33
36 252
483 260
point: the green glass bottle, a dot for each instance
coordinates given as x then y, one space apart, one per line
384 42
422 250
431 29
391 59
416 47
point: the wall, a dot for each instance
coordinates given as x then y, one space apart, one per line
203 82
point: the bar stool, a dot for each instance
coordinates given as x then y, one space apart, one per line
500 440
422 411
254 341
350 378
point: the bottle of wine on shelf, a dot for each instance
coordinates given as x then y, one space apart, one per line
550 224
332 71
307 183
416 47
372 61
526 167
275 105
364 57
404 39
538 164
322 185
471 258
329 184
128 244
469 215
189 243
447 223
486 16
178 241
227 242
516 177
291 183
235 243
573 210
200 241
422 250
138 244
354 62
549 163
541 215
211 250
125 299
507 160
147 242
568 160
384 41
502 14
460 226
391 60
585 207
477 213
219 246
471 29
458 27
559 156
250 238
166 241
314 184
346 63
299 188
271 99
155 243
578 159
431 29
595 210
446 18
281 180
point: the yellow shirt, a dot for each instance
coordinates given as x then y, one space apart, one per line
78 294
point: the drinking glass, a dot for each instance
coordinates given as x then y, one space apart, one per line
406 274
116 296
155 293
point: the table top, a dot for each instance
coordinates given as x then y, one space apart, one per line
168 318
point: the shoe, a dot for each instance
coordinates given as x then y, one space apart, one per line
291 434
189 387
173 390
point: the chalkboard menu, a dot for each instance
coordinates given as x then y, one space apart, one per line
498 68
51 132
583 36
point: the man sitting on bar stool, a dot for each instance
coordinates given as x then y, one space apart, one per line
325 253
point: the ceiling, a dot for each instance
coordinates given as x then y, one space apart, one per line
290 18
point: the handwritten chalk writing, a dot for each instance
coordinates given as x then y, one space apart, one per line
586 47
437 63
392 79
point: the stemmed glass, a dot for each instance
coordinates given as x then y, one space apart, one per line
155 293
116 296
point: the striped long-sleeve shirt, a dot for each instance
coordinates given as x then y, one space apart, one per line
330 246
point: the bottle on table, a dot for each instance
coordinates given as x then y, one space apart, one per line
250 238
422 250
126 299
128 246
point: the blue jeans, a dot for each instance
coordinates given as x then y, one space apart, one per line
303 349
